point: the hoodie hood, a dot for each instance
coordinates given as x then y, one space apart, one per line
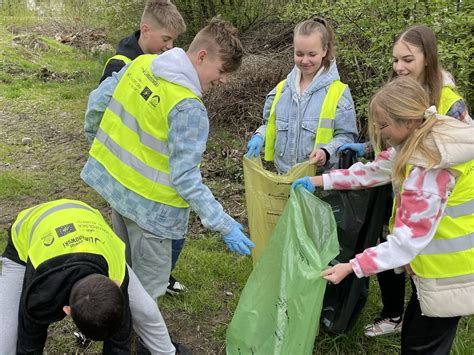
321 79
448 79
453 139
129 46
175 66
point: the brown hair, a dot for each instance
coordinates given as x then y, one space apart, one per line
164 14
404 99
422 36
97 306
220 38
322 26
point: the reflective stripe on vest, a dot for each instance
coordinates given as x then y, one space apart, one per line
451 251
448 98
325 130
120 57
64 227
132 141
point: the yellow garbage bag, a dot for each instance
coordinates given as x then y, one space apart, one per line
266 194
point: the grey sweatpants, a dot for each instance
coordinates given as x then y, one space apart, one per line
11 282
149 255
147 319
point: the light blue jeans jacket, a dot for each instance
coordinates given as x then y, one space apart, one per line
297 117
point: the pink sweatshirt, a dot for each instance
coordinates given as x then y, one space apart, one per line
419 209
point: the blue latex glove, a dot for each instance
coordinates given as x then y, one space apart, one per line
304 182
254 146
359 148
237 241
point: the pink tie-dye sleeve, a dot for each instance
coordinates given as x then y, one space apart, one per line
422 203
361 176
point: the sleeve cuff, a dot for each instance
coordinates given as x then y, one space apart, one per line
356 268
327 185
328 156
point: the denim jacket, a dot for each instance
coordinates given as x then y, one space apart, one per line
188 133
297 117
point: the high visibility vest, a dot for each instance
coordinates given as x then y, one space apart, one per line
451 251
325 130
132 140
448 98
65 227
120 57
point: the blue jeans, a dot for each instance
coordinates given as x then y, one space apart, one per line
176 247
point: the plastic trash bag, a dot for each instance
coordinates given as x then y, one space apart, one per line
280 306
359 215
266 194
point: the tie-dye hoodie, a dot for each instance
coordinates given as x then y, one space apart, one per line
422 199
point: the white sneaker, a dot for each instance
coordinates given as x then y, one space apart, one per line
175 287
384 326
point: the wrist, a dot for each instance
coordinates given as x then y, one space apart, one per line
317 181
326 155
349 269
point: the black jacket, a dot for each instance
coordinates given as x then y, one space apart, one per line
128 47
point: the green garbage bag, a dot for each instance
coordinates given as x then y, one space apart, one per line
266 194
280 306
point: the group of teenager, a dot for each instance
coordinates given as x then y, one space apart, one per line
147 128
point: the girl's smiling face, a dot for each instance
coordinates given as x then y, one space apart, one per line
408 60
309 53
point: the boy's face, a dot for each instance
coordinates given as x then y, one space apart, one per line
155 40
209 70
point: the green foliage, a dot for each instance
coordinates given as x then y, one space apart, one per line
242 13
364 32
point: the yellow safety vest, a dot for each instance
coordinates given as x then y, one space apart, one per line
451 251
132 140
64 227
448 98
121 57
325 130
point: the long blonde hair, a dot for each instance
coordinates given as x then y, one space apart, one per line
404 99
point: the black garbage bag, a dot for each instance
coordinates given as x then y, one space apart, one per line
359 217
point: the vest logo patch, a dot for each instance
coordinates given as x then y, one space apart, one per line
155 100
146 93
48 239
65 230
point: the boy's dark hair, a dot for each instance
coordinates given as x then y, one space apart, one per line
165 14
97 306
220 38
